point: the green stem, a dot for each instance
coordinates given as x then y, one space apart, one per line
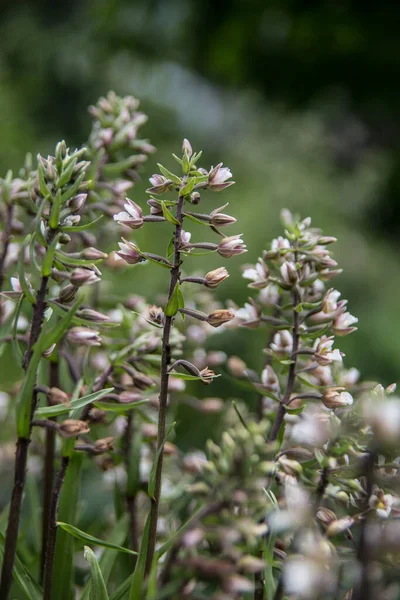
162 412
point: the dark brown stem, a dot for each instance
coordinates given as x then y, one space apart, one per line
48 468
292 372
37 320
162 411
365 590
6 238
52 530
10 545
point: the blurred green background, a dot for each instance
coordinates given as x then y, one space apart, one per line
299 99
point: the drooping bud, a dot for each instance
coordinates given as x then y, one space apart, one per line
219 219
129 252
92 315
72 428
231 246
214 278
156 315
219 317
326 516
339 526
81 276
207 375
132 216
218 178
336 397
67 294
93 254
84 336
57 396
104 445
236 366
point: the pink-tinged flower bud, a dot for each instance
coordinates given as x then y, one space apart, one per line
129 252
84 336
67 294
218 219
78 202
57 396
289 274
160 184
326 239
155 207
217 178
47 353
93 254
187 147
73 428
326 516
83 276
339 526
219 317
185 238
132 216
214 278
104 445
92 315
336 397
343 324
231 246
207 375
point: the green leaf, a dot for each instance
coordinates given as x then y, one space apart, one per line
173 303
49 256
45 412
86 537
241 419
72 189
181 300
48 338
14 342
196 220
67 173
120 409
169 175
24 579
135 592
98 590
188 187
171 247
63 582
73 261
21 272
118 168
54 219
73 228
44 190
152 478
168 214
109 556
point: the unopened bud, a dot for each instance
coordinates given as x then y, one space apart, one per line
291 467
336 397
104 445
83 276
67 294
64 238
187 147
84 336
214 278
72 428
339 526
326 516
78 202
92 315
93 254
57 396
219 317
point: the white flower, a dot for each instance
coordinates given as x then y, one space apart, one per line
324 354
269 295
313 429
343 324
329 304
248 313
384 418
382 503
185 237
132 216
283 342
280 243
258 274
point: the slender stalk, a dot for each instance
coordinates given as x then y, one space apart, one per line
10 547
162 412
365 590
21 456
52 530
292 371
48 468
6 238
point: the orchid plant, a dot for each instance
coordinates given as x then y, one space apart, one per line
295 494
